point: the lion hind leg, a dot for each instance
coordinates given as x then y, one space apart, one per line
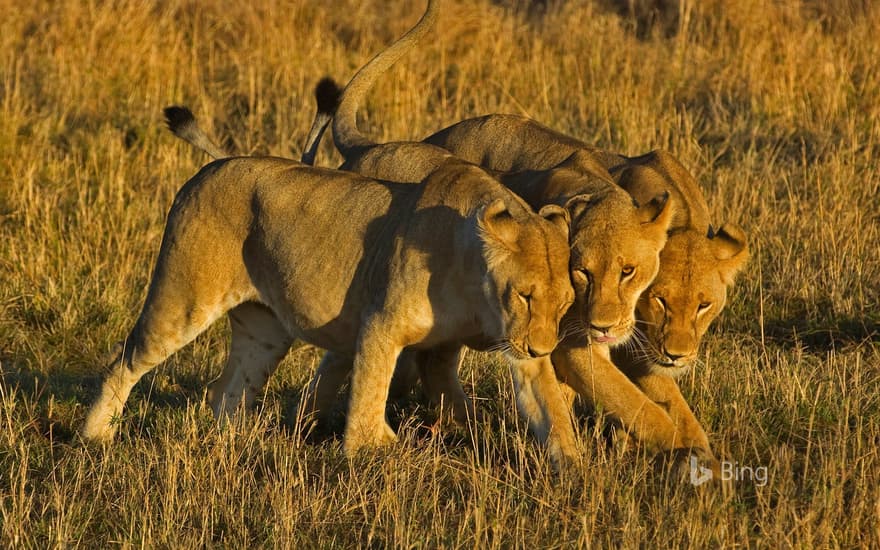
259 343
170 319
123 375
145 348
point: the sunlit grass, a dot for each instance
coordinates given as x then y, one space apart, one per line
775 107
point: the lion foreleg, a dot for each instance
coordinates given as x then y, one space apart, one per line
591 373
438 370
375 358
542 402
321 392
664 390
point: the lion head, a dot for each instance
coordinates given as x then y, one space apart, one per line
689 292
526 279
615 248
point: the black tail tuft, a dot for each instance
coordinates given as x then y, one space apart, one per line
178 116
327 94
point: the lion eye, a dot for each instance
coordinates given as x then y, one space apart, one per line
627 271
703 307
583 274
660 301
525 297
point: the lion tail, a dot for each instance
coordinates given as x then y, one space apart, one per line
345 131
327 94
183 124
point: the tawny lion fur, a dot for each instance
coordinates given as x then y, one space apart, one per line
410 162
697 266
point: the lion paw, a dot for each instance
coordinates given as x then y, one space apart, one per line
697 466
360 437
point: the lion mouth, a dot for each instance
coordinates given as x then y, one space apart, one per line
671 368
667 363
610 337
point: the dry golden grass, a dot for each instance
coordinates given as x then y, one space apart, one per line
775 107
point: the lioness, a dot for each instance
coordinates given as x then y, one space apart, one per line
697 265
361 267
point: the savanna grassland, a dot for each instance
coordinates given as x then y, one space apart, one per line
773 106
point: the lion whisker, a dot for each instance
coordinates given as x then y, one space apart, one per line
571 329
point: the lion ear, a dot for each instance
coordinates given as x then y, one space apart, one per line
576 206
656 212
731 249
558 216
497 222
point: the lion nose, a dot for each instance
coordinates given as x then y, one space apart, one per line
673 356
602 329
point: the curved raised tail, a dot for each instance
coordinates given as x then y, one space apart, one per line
346 135
327 94
182 123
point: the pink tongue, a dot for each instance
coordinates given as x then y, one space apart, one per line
605 339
